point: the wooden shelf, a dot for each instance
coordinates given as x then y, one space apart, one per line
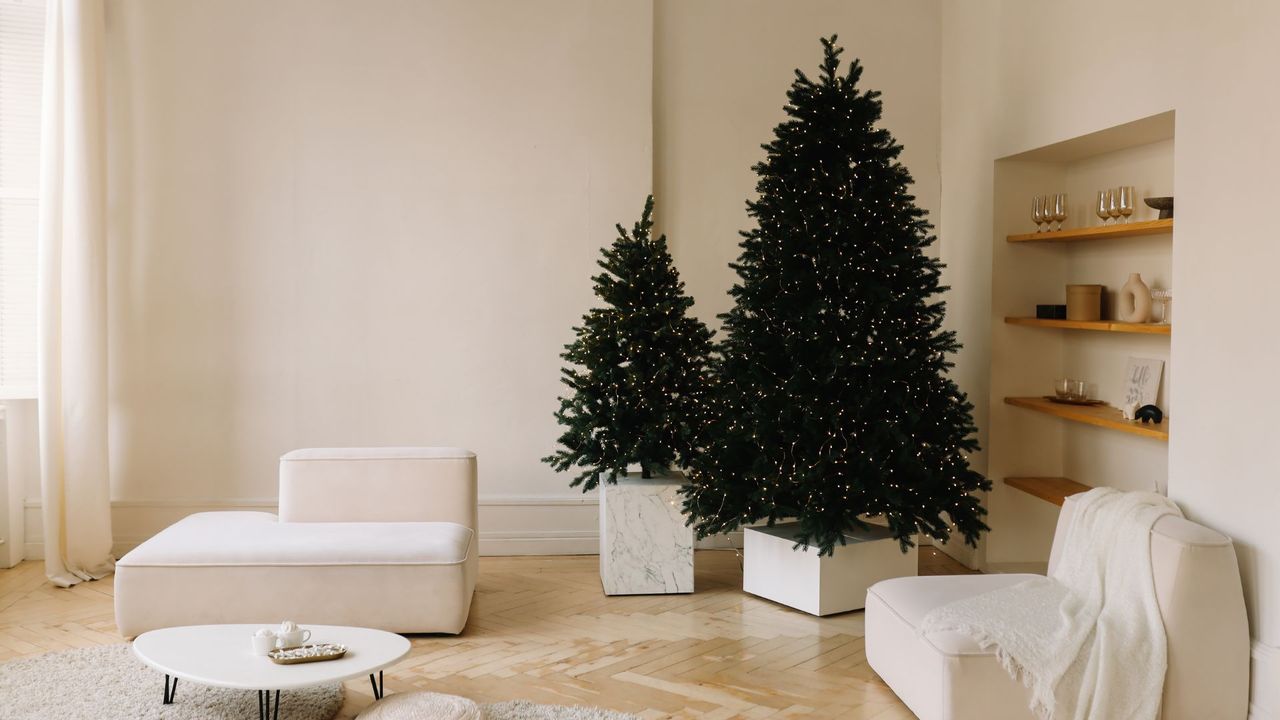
1053 489
1100 232
1103 416
1099 325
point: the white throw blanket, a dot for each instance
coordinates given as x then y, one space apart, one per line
1089 640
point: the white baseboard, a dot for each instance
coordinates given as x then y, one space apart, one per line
509 524
1264 682
540 542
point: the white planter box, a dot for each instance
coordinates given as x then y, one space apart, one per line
645 546
821 586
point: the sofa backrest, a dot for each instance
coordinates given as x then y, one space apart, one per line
399 484
1197 583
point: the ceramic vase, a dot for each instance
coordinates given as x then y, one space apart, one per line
1134 302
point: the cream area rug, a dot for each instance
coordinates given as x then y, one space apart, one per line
110 683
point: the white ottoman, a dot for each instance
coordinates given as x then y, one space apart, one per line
422 706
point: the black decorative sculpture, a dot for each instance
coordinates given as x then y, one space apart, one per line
1149 413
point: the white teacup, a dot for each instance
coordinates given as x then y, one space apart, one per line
293 639
264 642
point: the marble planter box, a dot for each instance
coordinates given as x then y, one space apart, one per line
645 547
826 585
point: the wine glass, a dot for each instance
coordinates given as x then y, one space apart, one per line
1113 205
1060 208
1104 203
1038 212
1164 299
1126 202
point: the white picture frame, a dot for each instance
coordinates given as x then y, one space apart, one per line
1142 381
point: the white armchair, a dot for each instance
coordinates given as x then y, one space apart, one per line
947 676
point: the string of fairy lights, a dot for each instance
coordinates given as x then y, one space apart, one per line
832 400
827 398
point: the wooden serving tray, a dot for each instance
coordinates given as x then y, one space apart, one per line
316 652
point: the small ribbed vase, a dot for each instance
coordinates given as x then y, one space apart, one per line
1134 302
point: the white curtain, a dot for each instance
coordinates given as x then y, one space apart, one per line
72 312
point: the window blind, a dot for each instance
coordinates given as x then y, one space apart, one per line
21 60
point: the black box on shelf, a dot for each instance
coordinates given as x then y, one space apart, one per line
1051 312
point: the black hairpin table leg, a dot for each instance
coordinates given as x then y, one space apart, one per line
377 685
170 691
265 704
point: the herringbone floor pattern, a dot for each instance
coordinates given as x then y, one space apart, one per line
540 629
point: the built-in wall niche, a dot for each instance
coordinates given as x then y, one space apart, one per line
1040 452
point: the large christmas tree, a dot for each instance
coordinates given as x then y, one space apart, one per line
832 398
638 367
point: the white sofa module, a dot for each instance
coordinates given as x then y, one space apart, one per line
369 537
947 676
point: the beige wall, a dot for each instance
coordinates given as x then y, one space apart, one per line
372 223
1011 83
721 72
375 223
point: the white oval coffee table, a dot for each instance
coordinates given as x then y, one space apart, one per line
220 656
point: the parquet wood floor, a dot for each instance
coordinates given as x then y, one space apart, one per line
540 629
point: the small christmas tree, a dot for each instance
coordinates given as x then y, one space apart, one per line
639 367
832 400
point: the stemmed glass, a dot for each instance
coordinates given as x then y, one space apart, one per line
1039 212
1163 298
1113 205
1126 202
1060 209
1103 210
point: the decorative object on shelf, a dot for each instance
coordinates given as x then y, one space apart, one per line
1068 389
1084 302
1162 299
1047 210
1163 204
319 652
803 393
1142 380
1133 304
1103 208
1150 413
1129 411
1051 312
1113 205
1126 205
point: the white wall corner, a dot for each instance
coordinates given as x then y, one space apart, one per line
1264 682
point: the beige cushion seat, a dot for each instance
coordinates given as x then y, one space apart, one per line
381 538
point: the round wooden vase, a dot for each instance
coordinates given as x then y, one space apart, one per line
1133 305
